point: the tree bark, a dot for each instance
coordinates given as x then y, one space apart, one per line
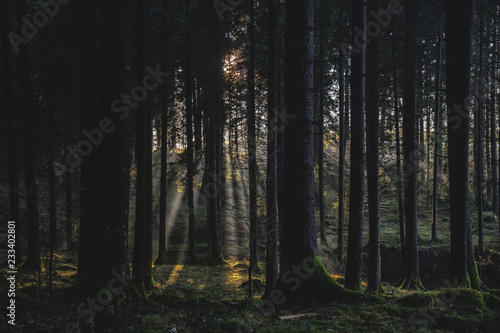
109 254
342 146
89 26
11 131
252 148
412 270
271 171
399 185
372 158
141 147
357 176
459 21
33 260
479 145
321 114
299 248
214 108
437 137
190 149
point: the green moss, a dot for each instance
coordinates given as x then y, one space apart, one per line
469 299
491 301
456 322
474 280
326 284
416 300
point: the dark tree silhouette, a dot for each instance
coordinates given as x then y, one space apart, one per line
109 250
272 147
372 157
10 125
33 259
459 22
357 176
89 105
411 263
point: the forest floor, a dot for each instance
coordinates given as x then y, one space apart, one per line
201 298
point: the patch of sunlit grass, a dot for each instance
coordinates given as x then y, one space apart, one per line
174 276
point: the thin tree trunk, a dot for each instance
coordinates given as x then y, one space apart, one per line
52 198
399 185
372 159
189 136
165 108
437 138
271 172
478 131
357 189
342 146
252 153
493 132
148 227
488 157
162 244
412 270
321 149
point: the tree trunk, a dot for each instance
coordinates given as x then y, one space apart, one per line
299 228
148 227
271 172
89 99
197 123
459 21
214 106
321 150
412 270
33 260
11 132
299 248
437 138
357 189
252 148
479 145
68 201
372 158
189 136
399 185
109 256
342 146
493 132
141 147
52 196
165 107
